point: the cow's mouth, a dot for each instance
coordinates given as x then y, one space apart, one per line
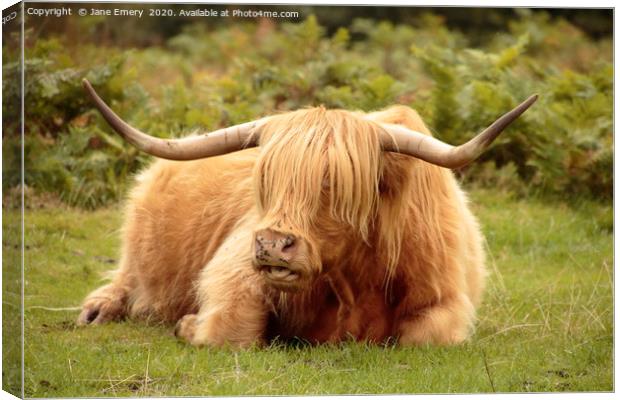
281 277
277 272
281 273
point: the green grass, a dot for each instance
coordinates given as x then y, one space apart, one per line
11 296
546 323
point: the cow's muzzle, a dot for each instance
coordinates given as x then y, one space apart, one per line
275 257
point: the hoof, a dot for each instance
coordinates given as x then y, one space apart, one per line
87 316
99 310
186 327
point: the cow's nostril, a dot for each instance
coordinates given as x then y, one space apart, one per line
289 243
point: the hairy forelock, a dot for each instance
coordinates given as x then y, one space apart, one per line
314 153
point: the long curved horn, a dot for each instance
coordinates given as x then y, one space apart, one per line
402 140
218 142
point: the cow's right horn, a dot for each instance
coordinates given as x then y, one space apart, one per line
221 141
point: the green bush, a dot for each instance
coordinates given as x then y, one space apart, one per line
204 78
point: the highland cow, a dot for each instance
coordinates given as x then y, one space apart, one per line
325 225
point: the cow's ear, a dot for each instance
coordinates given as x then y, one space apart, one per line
383 186
389 187
394 174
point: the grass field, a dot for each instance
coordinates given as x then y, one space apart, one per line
546 323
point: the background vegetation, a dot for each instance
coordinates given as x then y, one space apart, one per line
203 77
543 192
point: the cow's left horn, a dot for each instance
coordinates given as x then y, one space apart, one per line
215 143
402 140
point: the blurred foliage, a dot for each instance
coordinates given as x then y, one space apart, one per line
206 77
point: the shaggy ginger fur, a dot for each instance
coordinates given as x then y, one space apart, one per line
393 249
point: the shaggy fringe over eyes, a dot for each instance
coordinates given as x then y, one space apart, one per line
309 152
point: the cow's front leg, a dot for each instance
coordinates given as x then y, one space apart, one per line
450 321
231 296
237 317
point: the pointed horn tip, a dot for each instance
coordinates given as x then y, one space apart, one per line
527 103
85 83
532 99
